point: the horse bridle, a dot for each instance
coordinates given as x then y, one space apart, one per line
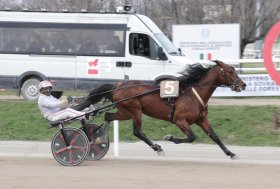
233 85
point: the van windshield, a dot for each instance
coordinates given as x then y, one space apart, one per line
167 45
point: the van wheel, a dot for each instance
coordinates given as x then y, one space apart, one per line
29 89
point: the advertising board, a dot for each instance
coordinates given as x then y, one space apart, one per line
208 41
257 85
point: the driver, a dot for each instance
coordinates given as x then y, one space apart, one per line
52 108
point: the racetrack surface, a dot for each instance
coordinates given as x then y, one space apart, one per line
44 173
30 165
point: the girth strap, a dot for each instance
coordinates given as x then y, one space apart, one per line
171 105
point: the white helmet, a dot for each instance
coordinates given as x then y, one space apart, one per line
44 84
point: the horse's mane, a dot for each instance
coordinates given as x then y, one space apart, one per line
192 74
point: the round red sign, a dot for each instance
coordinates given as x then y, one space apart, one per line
267 52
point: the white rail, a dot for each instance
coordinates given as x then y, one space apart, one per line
239 63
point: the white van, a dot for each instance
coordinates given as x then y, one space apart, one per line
81 50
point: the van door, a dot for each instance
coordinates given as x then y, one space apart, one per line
143 57
100 57
98 69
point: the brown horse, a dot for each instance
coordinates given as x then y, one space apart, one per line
196 87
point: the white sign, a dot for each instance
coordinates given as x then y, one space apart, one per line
169 89
257 85
208 41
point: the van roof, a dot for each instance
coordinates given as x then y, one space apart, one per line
65 17
132 19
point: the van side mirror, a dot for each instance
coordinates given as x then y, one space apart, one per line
180 51
160 54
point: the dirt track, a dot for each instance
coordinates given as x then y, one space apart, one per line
29 165
45 173
113 173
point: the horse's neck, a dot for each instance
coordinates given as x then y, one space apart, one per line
207 85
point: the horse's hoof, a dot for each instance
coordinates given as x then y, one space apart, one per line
234 157
167 137
161 153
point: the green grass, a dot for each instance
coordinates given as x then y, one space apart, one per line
236 125
8 92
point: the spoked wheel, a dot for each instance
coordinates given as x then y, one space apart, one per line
76 152
99 145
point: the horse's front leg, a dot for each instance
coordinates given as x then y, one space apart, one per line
185 128
205 125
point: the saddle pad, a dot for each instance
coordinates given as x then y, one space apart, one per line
169 88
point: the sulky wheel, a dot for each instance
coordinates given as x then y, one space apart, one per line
99 145
77 150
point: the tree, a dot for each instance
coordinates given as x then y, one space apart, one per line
256 17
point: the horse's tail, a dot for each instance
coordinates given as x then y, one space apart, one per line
96 95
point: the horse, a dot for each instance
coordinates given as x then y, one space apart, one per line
197 84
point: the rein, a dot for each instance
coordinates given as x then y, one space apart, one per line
113 104
126 87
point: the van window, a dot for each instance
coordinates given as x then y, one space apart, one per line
167 45
66 39
142 45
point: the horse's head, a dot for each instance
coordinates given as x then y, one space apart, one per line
229 77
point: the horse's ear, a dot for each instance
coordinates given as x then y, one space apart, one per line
217 62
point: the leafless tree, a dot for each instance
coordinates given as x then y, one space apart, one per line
256 17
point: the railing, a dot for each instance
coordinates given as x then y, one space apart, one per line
248 65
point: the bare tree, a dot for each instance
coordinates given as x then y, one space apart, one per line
256 17
59 5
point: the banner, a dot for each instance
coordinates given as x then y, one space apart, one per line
208 41
257 85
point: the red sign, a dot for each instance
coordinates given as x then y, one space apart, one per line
267 52
93 67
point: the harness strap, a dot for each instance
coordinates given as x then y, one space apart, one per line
198 97
171 104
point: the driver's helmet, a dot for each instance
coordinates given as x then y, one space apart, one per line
45 84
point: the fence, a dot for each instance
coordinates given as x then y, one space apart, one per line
248 65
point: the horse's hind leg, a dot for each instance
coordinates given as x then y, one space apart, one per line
137 131
116 116
137 121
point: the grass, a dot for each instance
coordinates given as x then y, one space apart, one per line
236 125
8 92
